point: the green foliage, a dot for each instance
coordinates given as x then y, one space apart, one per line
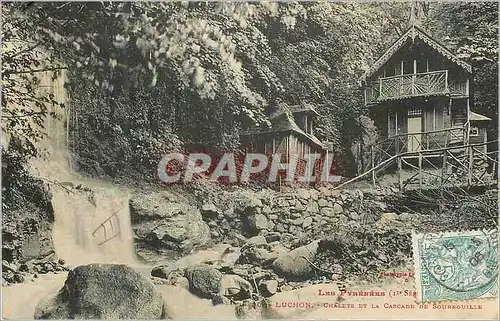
19 189
148 78
471 29
25 104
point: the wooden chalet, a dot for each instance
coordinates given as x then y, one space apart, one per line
419 95
291 133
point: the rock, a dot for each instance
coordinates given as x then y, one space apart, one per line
61 261
354 216
257 256
236 287
6 266
298 221
286 288
256 240
103 291
277 248
258 222
312 207
325 191
323 203
266 210
337 209
273 236
293 229
160 272
182 282
389 221
281 228
299 207
161 224
273 217
248 203
307 222
47 267
327 212
209 210
230 256
27 267
19 278
229 213
293 265
389 216
303 193
204 280
314 194
238 238
269 287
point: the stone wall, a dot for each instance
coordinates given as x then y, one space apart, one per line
300 213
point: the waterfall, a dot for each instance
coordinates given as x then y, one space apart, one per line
92 219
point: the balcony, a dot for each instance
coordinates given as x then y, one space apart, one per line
413 85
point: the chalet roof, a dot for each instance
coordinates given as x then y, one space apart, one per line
284 122
415 32
477 117
284 107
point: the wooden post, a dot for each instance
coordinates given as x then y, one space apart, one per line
413 84
471 163
400 178
445 156
373 164
420 169
413 77
446 80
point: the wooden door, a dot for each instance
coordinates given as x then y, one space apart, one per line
414 133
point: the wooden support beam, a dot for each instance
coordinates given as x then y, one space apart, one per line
400 178
373 164
470 167
420 169
445 160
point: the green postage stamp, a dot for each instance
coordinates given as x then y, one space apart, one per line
456 266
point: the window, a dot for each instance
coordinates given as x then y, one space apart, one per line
389 71
414 112
408 67
474 131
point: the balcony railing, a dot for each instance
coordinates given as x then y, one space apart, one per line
409 143
412 85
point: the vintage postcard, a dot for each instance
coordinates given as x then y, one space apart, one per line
250 160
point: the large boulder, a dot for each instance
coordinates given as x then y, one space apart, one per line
103 291
296 264
204 280
161 223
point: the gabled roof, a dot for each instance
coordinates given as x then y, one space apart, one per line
283 123
284 108
477 117
412 33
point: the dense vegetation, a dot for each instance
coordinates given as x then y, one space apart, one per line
149 78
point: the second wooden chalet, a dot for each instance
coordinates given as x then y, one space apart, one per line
419 95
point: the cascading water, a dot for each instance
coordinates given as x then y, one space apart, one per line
92 221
